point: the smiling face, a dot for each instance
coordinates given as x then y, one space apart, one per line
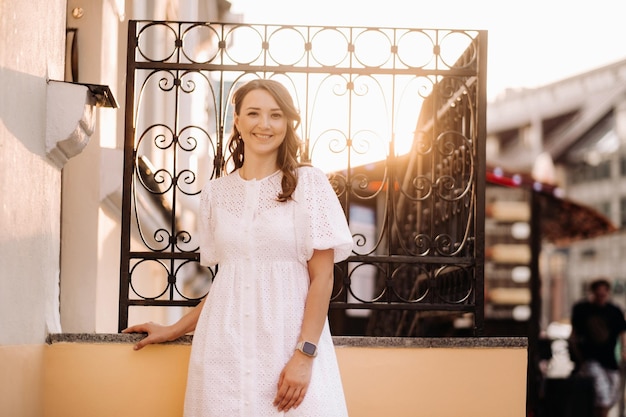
261 124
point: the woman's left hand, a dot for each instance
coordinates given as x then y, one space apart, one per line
293 382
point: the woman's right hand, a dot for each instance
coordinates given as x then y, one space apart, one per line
156 333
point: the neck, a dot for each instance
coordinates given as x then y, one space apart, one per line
249 170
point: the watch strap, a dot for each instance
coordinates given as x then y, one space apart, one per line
308 348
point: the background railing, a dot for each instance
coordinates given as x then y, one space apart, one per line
395 116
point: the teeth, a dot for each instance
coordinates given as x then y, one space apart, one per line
263 136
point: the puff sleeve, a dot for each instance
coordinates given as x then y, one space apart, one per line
320 220
206 229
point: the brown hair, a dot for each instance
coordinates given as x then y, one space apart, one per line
600 282
288 151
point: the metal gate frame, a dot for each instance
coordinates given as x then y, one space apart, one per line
427 253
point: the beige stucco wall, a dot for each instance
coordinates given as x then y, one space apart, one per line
32 36
90 245
92 181
103 380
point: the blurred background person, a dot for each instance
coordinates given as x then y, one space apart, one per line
597 325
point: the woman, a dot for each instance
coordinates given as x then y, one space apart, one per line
262 345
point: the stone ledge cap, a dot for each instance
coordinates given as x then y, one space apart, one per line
339 341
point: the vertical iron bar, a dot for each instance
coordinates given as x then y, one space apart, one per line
480 143
178 90
534 322
129 161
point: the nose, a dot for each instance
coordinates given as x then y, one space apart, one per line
264 121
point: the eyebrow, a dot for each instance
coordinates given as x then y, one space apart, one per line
258 108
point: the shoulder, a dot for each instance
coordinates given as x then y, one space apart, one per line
219 185
314 175
310 177
581 306
221 181
615 308
310 172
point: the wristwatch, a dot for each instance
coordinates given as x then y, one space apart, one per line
308 348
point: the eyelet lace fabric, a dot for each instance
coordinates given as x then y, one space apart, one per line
251 320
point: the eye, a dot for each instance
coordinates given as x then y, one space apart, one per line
277 115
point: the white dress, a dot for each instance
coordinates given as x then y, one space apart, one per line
251 320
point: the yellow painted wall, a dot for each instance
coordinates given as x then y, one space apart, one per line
104 380
434 382
21 389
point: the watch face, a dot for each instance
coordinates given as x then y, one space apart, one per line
309 348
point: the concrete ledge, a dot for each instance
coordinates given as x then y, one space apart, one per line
340 341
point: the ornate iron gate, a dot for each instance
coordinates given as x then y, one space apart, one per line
395 116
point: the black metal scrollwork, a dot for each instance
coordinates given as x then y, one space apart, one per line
393 114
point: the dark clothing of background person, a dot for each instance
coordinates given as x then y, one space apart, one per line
597 324
597 329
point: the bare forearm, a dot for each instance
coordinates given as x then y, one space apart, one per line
316 310
296 375
188 322
318 298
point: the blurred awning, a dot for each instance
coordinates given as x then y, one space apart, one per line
562 220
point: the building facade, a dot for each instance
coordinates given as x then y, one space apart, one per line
572 134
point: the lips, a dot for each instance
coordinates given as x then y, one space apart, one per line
264 137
